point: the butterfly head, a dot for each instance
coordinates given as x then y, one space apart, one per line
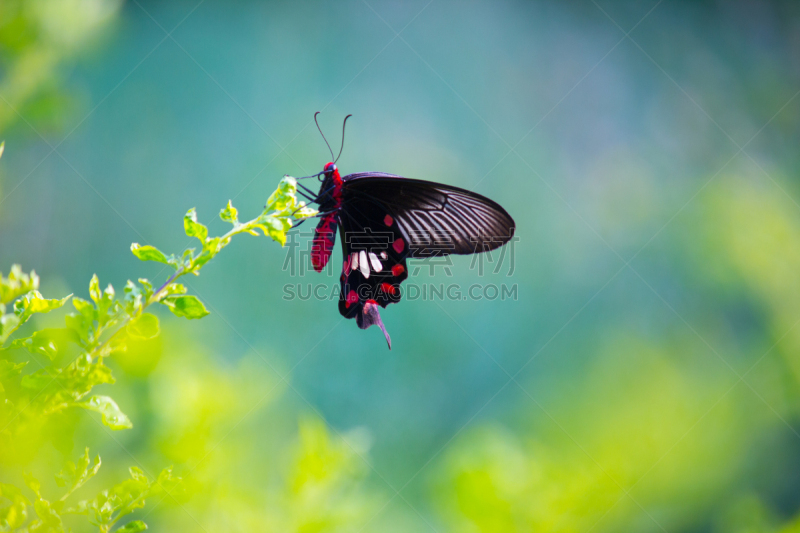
330 174
330 190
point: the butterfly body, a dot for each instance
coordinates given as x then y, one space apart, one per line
384 219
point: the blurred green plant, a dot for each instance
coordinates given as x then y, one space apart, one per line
74 363
36 37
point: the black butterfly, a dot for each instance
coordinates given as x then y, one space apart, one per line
384 219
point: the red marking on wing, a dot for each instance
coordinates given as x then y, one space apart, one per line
397 270
352 298
388 288
388 220
398 245
324 237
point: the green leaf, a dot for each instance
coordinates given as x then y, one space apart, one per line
2 148
132 527
47 342
17 514
174 288
170 483
145 326
8 325
37 381
111 414
138 475
11 492
192 227
74 475
148 253
34 302
284 195
46 514
32 482
107 308
229 214
94 289
9 370
16 284
82 507
274 227
84 307
186 306
79 324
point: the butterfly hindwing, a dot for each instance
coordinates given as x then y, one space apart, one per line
371 277
374 264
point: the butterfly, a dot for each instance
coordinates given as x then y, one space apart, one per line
383 220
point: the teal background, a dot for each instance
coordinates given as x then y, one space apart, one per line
653 180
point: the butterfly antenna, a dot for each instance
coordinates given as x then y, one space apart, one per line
323 135
342 147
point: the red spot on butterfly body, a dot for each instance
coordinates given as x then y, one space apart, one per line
397 270
322 247
388 220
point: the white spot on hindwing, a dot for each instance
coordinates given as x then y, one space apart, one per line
365 262
363 265
376 264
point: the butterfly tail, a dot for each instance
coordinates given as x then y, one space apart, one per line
369 316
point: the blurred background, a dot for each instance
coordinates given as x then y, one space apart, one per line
646 377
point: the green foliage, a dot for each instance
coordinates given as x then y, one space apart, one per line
36 38
74 364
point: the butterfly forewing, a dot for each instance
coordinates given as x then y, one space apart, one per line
432 218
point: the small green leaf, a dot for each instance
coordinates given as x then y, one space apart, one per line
174 288
34 302
84 307
11 492
138 475
47 342
17 514
132 527
82 507
79 324
37 381
145 326
192 227
94 289
8 324
284 195
32 482
16 284
274 227
47 515
170 483
229 214
9 370
148 253
110 412
186 306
